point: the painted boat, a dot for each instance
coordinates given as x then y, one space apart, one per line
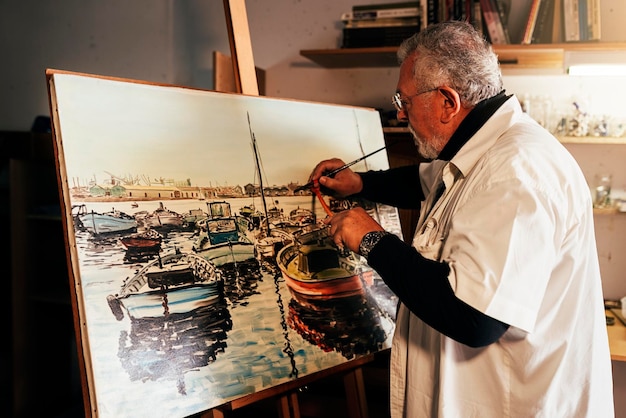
107 222
177 283
230 252
302 216
193 216
275 213
78 211
253 216
247 210
146 242
219 231
163 218
313 266
223 240
275 231
268 243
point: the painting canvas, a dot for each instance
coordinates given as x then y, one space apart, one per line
202 271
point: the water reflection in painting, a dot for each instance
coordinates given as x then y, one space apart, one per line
222 320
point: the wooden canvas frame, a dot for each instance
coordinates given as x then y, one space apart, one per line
155 127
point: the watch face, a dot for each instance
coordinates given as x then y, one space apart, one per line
369 241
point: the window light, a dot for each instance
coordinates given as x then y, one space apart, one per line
597 70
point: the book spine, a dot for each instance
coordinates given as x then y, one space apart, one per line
571 21
377 6
542 34
557 22
381 13
477 16
469 11
373 23
531 22
424 13
433 11
495 30
593 14
499 6
583 21
441 12
459 10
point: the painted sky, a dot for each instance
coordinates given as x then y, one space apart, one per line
132 129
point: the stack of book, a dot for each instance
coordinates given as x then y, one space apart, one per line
581 20
553 21
375 25
442 10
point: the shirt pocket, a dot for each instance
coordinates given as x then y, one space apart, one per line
428 239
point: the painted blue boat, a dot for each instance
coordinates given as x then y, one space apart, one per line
223 240
107 222
174 284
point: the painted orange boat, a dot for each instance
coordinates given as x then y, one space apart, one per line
313 266
147 242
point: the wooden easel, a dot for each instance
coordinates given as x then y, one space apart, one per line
241 47
287 395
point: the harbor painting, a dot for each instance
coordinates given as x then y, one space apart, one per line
202 268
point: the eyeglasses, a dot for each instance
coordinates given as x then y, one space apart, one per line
399 102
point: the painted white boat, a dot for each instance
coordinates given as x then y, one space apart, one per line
174 284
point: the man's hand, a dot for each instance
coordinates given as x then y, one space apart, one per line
343 184
348 227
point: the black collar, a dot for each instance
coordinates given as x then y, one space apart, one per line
471 124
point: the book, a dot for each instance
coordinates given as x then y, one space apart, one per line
557 22
380 13
593 20
385 21
529 28
504 8
443 10
583 26
499 6
380 6
571 24
432 11
495 29
457 10
543 30
477 17
423 13
469 11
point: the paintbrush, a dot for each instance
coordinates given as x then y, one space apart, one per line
336 170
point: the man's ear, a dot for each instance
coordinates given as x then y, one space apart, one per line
452 103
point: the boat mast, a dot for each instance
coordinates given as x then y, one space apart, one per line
258 167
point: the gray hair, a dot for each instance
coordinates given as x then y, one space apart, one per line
453 53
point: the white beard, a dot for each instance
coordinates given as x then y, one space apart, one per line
426 149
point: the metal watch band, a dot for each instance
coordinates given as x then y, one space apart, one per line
369 241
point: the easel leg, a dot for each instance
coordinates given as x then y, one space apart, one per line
214 413
288 406
355 394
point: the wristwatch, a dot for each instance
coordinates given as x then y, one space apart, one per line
369 240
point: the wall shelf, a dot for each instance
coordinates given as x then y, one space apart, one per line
592 140
353 57
511 56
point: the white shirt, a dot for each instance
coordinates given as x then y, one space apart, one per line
515 224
